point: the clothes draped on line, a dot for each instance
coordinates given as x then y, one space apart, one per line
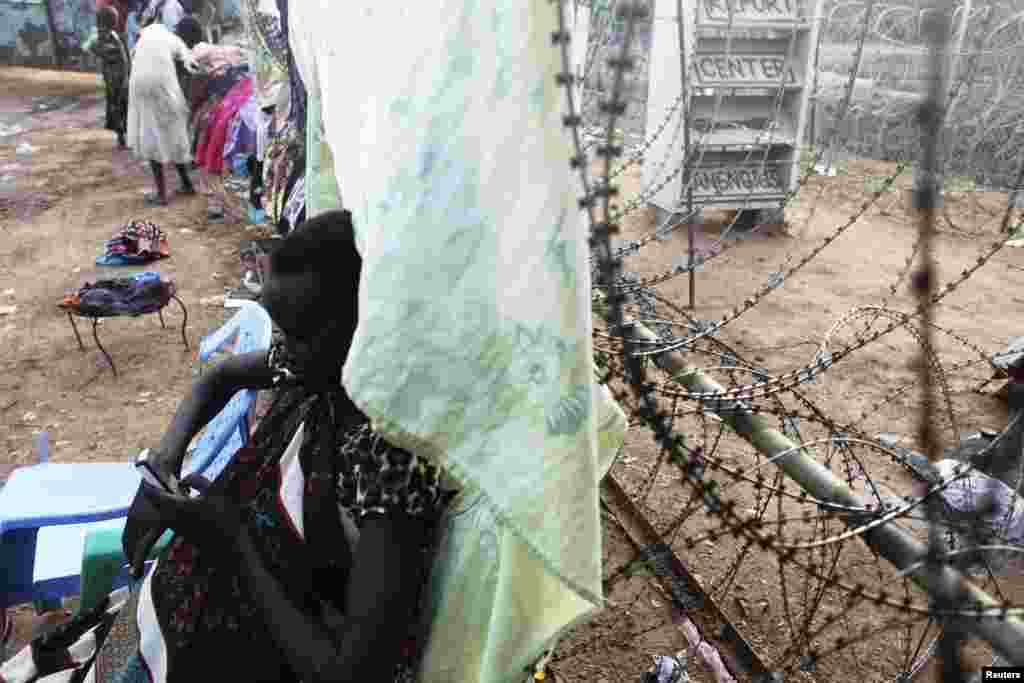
210 150
281 144
297 88
283 165
207 93
270 50
241 138
217 58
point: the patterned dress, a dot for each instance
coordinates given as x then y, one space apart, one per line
310 476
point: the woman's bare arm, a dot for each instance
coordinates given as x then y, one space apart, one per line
209 395
386 580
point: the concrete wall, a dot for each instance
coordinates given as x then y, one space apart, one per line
24 33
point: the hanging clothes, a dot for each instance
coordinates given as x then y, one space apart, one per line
210 151
321 185
278 169
241 139
269 58
263 136
322 192
492 376
295 207
218 58
297 88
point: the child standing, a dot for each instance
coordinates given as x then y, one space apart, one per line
115 62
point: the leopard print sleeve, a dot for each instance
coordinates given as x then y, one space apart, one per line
377 478
281 364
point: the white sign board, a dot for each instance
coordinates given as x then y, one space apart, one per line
748 71
743 70
746 11
737 181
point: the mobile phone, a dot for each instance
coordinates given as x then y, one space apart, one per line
149 473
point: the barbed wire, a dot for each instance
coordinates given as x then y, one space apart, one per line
698 464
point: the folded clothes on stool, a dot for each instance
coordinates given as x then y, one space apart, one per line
136 242
137 295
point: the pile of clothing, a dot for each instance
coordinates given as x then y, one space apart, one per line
247 121
985 505
136 295
137 242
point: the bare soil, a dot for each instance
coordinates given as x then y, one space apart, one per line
771 603
58 204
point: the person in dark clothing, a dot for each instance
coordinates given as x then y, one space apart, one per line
326 586
115 63
123 8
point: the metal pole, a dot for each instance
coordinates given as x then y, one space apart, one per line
813 133
685 92
890 541
851 84
689 237
958 46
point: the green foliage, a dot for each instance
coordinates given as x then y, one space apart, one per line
809 155
960 184
875 183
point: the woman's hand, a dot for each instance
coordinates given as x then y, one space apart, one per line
210 521
145 522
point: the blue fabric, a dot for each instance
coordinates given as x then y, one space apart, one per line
121 260
132 30
135 672
142 293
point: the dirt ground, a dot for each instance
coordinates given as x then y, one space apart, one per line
61 201
58 204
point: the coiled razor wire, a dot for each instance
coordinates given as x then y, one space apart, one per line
610 272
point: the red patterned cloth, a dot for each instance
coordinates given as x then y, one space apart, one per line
210 151
136 242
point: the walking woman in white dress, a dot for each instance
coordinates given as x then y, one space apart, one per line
158 113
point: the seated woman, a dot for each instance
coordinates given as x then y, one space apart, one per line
306 558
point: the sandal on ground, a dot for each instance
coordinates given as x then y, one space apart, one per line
153 199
